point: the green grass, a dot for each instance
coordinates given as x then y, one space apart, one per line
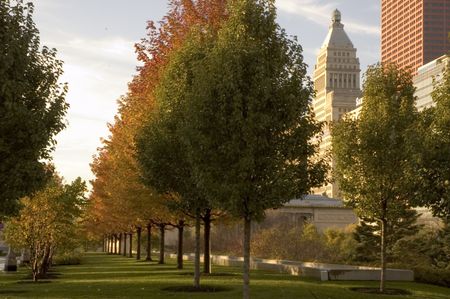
106 276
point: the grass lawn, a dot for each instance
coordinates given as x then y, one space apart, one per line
106 276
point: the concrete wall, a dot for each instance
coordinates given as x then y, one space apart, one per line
314 270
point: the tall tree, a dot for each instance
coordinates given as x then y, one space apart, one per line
374 154
161 153
32 104
249 128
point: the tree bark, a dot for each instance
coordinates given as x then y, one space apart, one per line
246 275
162 230
115 243
383 255
197 250
130 254
125 244
104 244
138 248
109 244
120 244
207 240
149 243
180 244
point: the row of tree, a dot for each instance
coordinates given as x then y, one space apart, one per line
217 121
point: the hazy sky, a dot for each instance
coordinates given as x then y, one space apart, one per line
95 39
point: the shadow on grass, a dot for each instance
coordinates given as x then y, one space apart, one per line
376 291
30 281
214 274
12 292
201 289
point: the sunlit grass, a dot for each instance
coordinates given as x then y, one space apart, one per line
106 276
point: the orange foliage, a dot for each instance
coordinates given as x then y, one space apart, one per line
119 200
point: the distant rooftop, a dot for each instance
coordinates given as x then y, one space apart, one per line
316 201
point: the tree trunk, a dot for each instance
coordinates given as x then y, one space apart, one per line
162 230
180 244
104 244
138 248
149 242
115 243
45 265
109 244
120 244
383 255
207 240
125 244
131 246
246 276
197 250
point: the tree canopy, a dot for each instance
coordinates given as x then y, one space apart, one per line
249 129
32 104
375 153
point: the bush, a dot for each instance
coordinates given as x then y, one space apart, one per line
435 276
72 258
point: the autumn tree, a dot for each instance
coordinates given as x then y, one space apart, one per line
32 104
47 223
153 51
249 129
375 153
161 151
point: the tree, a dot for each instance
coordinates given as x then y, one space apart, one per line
47 222
375 153
249 129
162 155
433 190
32 105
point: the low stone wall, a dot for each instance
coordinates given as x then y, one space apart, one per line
314 270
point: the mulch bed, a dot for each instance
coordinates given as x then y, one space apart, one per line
376 291
192 289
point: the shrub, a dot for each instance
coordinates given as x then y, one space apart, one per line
72 258
433 276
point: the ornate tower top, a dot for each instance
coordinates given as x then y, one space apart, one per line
336 18
336 35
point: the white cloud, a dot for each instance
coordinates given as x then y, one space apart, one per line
97 71
321 14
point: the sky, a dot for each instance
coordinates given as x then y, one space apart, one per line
95 39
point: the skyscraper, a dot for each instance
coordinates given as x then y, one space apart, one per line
336 81
414 32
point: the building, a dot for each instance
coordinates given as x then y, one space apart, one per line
425 78
414 32
323 212
337 85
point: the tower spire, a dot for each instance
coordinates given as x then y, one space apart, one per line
336 17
